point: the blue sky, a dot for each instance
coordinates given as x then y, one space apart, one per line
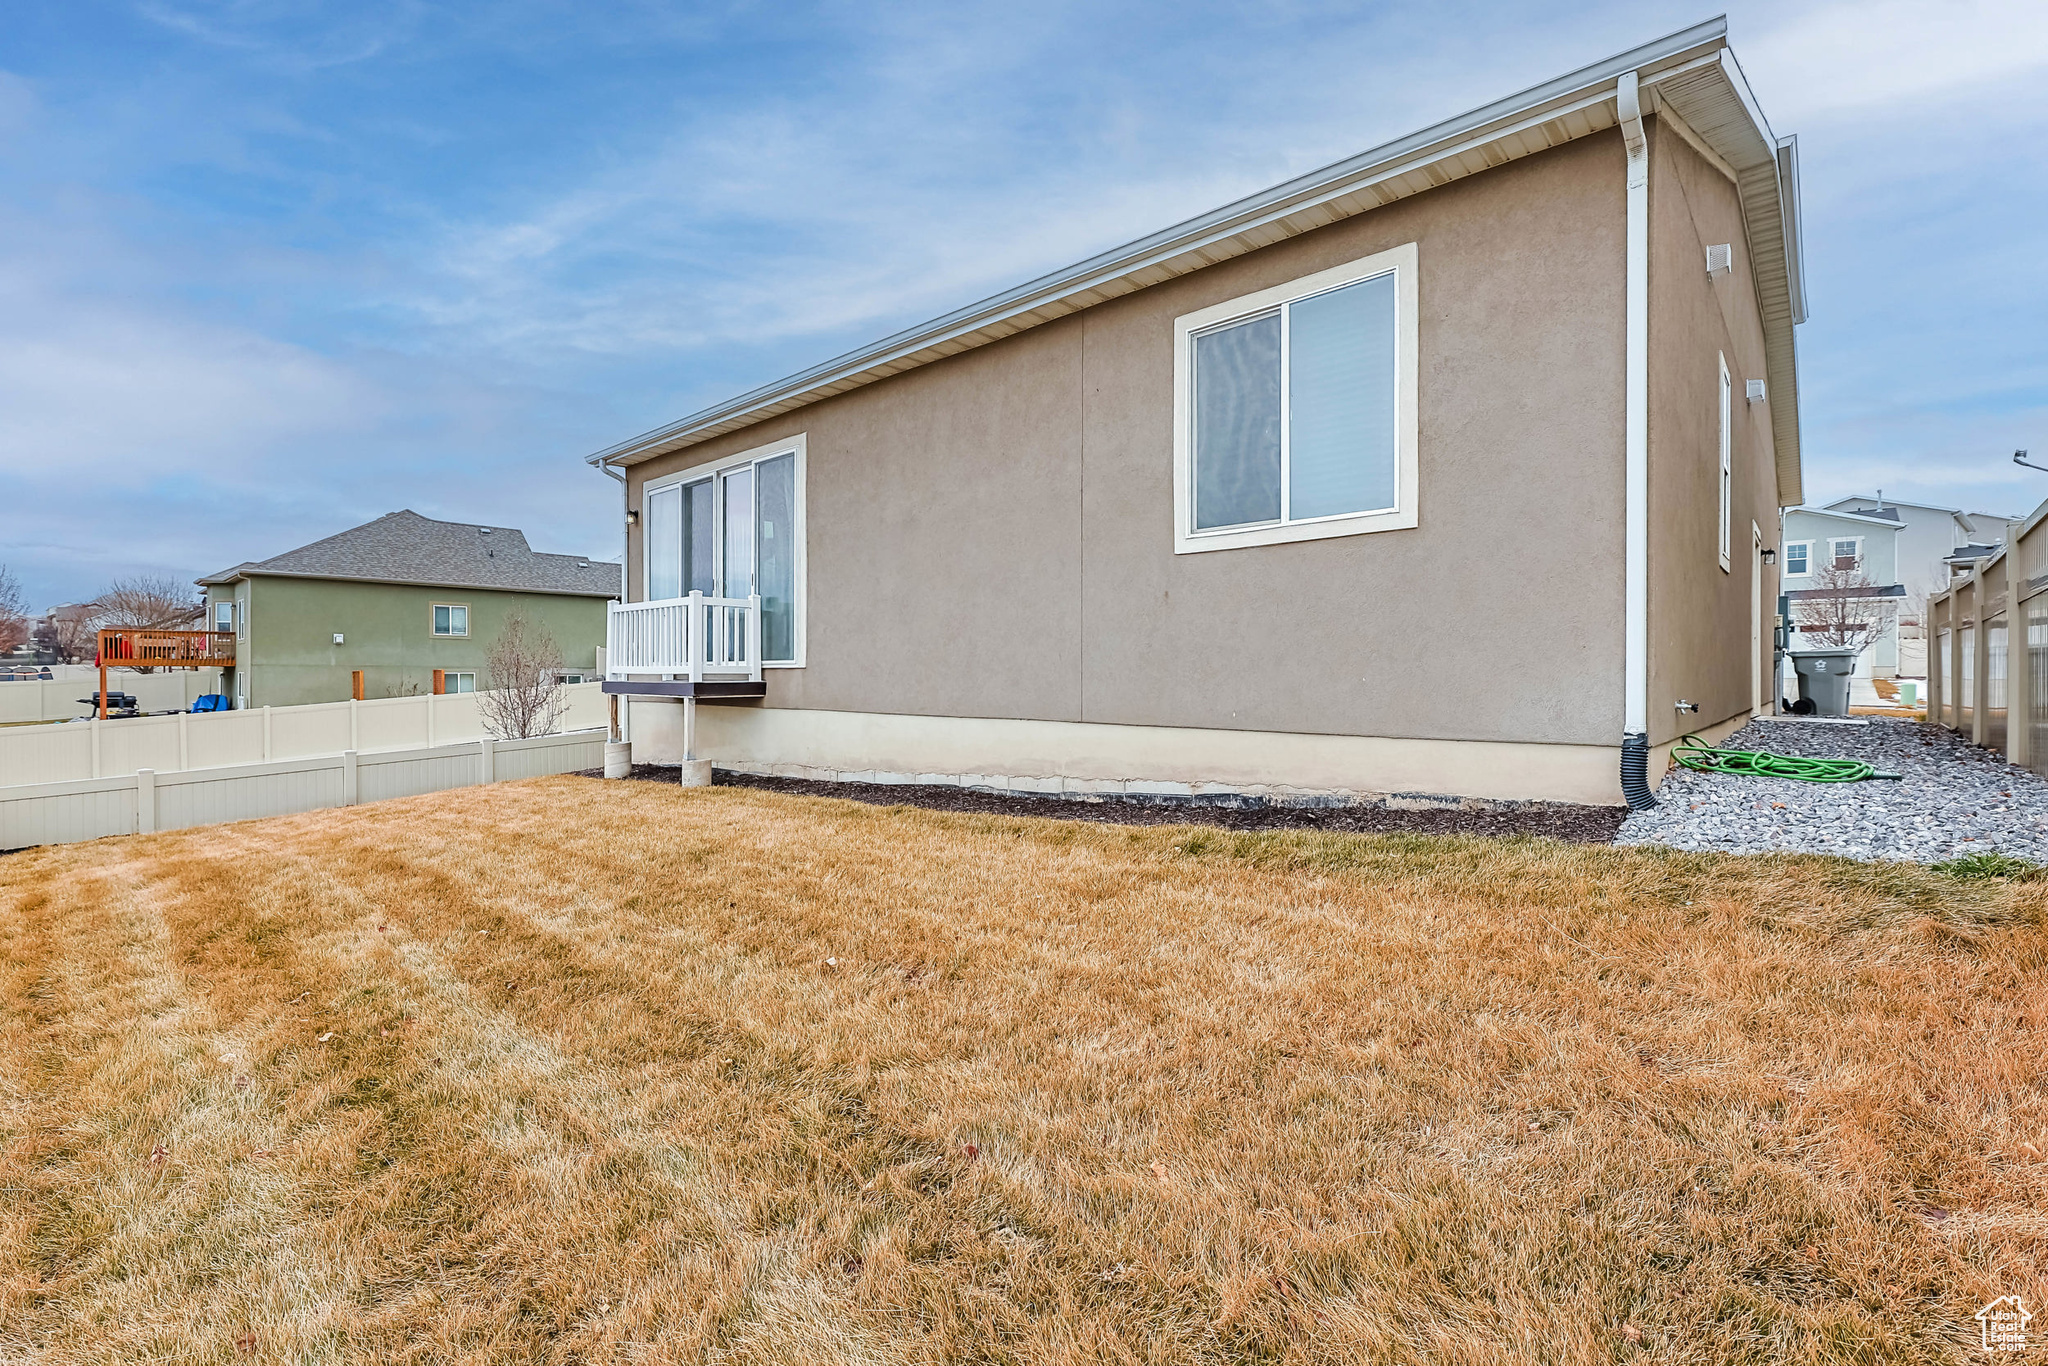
269 269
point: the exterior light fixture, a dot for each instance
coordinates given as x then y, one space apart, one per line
632 516
1770 555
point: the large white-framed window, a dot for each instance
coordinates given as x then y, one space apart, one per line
1846 552
451 619
1725 484
1295 409
731 528
224 615
1798 559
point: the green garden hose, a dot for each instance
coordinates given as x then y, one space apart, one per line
1696 753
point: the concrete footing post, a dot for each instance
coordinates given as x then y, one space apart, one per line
618 759
694 773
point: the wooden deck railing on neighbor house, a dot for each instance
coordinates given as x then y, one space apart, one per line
139 647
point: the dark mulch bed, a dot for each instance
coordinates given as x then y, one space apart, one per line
1557 820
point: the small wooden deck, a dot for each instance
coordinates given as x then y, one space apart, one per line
140 647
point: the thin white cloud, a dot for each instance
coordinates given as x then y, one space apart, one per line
288 34
1894 55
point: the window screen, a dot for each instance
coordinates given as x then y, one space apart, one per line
1294 410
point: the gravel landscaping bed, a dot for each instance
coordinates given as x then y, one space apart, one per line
1557 820
1955 799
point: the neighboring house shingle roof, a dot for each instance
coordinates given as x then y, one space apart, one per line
404 547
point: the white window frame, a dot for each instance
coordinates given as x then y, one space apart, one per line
1834 541
1805 573
463 634
1725 481
448 677
795 445
228 603
1401 263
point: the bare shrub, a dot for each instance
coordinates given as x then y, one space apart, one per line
1842 610
522 673
154 601
13 612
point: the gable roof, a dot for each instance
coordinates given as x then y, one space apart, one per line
1896 502
404 547
1955 515
1888 523
1691 75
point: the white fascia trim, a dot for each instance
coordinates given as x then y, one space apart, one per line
1795 224
1401 261
1856 517
799 446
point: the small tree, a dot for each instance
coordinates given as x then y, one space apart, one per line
1842 611
523 674
13 613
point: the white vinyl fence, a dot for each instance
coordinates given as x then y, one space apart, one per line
79 751
23 700
146 800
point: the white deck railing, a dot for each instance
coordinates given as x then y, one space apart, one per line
694 638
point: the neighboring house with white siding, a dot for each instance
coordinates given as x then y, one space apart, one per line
1816 539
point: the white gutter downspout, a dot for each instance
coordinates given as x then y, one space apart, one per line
1635 646
618 732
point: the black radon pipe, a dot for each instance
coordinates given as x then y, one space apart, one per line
1635 771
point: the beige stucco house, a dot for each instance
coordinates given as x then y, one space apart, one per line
1446 469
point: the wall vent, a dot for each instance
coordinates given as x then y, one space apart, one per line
1755 389
1720 258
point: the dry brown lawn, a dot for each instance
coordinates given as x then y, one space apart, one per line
570 1071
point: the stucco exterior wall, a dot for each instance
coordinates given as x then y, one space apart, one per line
992 535
290 656
1700 615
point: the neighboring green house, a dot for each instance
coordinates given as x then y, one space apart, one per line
400 599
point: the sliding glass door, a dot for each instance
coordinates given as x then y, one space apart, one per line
731 534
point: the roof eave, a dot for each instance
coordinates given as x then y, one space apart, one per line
1691 71
418 583
1849 517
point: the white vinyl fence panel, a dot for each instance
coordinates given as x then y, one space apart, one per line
145 801
78 750
24 700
